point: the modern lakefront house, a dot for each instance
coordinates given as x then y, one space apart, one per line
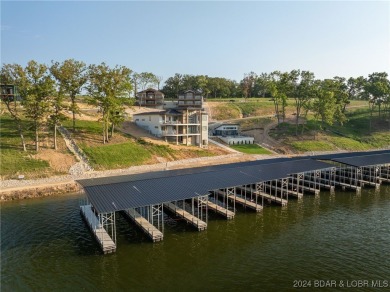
186 123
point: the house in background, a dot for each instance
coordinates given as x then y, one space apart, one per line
8 92
150 98
229 133
190 98
184 123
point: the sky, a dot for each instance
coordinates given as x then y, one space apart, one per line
214 38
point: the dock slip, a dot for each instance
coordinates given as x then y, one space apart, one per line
271 198
195 221
220 210
290 192
106 243
244 202
150 230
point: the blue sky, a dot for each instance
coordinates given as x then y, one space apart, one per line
225 39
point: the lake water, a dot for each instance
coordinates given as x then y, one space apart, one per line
45 246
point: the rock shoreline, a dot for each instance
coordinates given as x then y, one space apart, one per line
57 185
29 192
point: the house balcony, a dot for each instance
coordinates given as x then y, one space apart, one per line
174 134
178 123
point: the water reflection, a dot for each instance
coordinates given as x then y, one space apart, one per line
330 236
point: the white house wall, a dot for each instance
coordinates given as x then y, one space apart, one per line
151 123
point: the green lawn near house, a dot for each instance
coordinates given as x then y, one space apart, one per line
250 149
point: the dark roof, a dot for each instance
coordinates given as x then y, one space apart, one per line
150 113
150 90
119 193
365 160
190 90
173 112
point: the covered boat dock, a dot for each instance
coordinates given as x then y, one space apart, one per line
189 193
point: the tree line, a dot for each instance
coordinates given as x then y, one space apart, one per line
327 98
47 91
44 90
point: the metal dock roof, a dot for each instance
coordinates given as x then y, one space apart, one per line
119 193
365 160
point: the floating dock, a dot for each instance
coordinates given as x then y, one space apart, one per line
242 201
292 193
268 197
220 210
148 228
142 196
193 220
105 241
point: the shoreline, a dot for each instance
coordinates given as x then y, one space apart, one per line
58 185
28 189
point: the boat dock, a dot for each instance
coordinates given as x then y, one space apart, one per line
193 220
220 210
269 198
149 229
189 194
242 201
292 193
105 241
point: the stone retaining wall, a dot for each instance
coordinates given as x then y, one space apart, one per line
39 191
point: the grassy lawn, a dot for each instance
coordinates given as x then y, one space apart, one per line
353 135
13 160
116 155
16 162
123 150
305 146
226 111
250 149
253 123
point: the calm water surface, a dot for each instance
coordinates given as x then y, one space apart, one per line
46 246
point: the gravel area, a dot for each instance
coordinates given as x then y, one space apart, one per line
83 165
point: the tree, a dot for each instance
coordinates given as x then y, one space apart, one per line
338 87
173 85
108 88
71 77
377 91
280 86
57 115
248 83
158 81
146 80
303 93
324 105
39 87
262 82
15 75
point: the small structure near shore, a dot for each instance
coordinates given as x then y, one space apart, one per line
229 133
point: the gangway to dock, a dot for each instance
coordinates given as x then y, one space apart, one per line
148 228
105 241
220 210
195 221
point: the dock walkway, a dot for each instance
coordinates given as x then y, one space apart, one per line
220 210
195 221
150 230
106 243
290 192
242 201
268 197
